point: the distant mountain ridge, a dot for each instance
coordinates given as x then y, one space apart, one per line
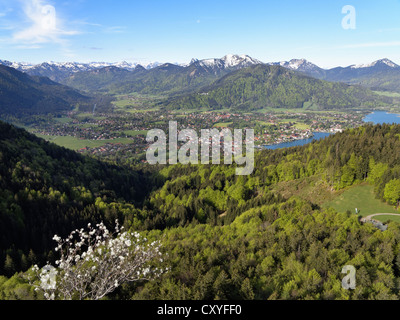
58 71
382 74
164 79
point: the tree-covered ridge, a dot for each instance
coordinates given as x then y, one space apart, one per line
273 86
45 189
23 94
227 236
266 247
288 251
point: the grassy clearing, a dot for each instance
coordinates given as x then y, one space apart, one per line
76 144
222 124
298 125
310 106
134 133
388 94
385 219
302 126
315 190
64 120
264 123
363 198
123 103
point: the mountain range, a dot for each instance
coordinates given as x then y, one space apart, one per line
58 71
234 82
382 74
164 79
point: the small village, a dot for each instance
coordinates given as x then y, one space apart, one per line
124 132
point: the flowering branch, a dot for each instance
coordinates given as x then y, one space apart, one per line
97 263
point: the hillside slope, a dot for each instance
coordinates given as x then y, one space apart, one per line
24 94
47 190
277 87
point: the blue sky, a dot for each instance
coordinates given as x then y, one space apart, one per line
177 31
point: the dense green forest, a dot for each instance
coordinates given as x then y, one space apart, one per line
259 86
227 236
46 189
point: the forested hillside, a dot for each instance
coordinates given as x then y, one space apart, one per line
273 86
46 189
226 236
22 94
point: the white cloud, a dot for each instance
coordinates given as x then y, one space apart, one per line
43 25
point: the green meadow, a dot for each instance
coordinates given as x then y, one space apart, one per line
222 124
77 144
363 198
385 219
134 133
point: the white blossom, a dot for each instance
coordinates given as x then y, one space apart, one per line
109 261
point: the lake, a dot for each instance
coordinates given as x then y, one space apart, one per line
296 143
377 117
381 117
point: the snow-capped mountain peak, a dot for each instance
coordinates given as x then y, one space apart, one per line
57 71
76 66
230 61
382 62
297 64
